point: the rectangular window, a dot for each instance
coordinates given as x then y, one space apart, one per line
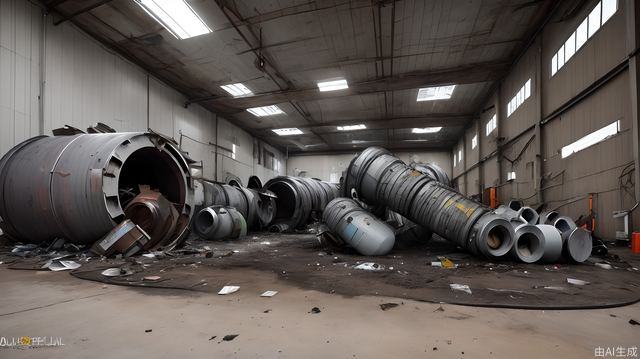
455 160
609 7
474 142
269 160
598 16
582 34
460 155
518 99
233 151
570 47
594 19
591 139
492 124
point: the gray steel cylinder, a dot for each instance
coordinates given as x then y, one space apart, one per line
71 186
552 243
548 217
529 244
220 223
298 200
577 245
378 178
257 208
564 224
529 215
360 229
433 171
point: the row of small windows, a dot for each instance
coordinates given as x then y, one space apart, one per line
598 16
519 98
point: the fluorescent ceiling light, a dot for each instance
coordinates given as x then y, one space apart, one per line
176 16
287 131
352 127
435 93
265 111
591 139
426 130
237 89
333 85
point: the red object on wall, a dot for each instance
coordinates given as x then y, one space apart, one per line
635 242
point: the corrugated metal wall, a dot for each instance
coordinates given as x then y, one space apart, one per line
20 34
566 182
86 83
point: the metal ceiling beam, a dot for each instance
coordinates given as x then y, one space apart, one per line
481 72
81 11
346 149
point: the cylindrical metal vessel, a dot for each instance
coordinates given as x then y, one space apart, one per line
530 243
552 243
433 171
360 229
564 224
299 200
378 178
577 245
548 217
257 208
529 215
219 223
73 186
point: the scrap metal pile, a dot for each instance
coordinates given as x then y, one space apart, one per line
124 193
377 179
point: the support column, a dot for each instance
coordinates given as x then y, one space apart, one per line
633 15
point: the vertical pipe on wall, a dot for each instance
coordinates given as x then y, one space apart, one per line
215 152
538 170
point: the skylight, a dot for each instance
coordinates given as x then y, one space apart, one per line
176 16
435 93
333 85
265 111
591 139
426 130
236 90
352 127
287 131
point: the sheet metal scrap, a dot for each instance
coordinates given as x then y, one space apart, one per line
126 238
154 214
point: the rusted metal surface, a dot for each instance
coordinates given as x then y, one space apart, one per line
155 215
72 186
126 238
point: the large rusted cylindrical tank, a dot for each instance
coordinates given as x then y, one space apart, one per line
77 186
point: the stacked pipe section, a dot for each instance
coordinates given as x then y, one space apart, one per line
378 178
358 228
299 200
80 187
220 223
547 237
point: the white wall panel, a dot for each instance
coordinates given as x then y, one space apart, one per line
20 33
86 84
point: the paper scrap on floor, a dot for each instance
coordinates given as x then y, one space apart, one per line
228 289
461 287
269 293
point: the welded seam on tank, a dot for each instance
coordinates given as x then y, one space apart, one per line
53 168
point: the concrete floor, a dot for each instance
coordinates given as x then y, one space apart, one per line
105 321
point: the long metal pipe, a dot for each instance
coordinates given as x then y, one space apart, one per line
299 200
74 186
378 178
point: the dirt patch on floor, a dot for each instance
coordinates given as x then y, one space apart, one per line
302 260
